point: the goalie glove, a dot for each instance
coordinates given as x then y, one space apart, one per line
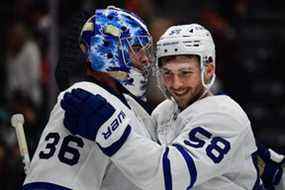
93 117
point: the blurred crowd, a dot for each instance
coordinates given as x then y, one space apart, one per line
249 37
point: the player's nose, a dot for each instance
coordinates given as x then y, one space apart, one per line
176 82
144 60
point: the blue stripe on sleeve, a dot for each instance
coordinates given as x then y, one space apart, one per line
166 170
190 164
111 150
43 186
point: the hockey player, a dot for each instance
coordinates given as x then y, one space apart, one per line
117 46
205 141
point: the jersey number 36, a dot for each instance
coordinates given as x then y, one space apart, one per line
217 147
67 154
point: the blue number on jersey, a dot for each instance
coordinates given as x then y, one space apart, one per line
65 148
51 146
217 148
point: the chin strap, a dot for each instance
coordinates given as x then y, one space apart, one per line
210 83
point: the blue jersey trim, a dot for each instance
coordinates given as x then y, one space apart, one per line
111 150
43 186
166 170
190 164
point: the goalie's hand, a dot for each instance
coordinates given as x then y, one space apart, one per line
93 117
85 112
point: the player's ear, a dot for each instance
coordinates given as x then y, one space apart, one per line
209 71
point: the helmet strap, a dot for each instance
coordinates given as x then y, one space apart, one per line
209 84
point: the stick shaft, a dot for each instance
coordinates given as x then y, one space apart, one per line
21 138
22 143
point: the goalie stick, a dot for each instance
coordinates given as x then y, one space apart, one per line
17 121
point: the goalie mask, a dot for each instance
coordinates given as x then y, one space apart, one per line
119 43
192 39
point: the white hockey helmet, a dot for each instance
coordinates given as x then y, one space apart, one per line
191 39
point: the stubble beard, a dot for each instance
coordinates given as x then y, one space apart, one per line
195 95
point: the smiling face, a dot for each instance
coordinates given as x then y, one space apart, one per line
181 76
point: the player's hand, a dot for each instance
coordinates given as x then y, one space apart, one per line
85 112
93 117
272 174
270 166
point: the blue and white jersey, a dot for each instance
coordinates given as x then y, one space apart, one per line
64 161
209 145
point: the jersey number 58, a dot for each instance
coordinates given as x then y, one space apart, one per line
216 149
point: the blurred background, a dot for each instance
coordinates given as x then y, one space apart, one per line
36 34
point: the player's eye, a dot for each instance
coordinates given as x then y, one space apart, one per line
165 73
185 73
136 49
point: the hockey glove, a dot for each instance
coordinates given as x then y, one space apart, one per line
93 117
85 112
271 171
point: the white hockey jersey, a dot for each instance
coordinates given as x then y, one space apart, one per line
63 161
207 146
